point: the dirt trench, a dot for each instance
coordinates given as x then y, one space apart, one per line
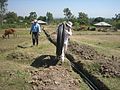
109 66
75 67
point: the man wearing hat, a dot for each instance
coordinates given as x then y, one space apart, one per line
65 35
35 30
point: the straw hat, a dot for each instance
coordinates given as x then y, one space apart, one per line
69 24
35 20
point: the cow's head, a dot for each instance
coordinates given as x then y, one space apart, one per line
12 30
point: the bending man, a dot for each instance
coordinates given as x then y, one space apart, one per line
63 34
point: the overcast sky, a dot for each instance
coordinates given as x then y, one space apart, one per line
94 8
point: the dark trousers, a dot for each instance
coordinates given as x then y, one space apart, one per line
35 38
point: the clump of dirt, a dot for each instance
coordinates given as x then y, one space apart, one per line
20 56
84 51
53 78
109 66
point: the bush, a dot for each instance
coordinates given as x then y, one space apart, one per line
20 25
76 25
118 25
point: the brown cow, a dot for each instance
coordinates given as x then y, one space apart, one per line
9 31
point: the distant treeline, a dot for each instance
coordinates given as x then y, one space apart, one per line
12 20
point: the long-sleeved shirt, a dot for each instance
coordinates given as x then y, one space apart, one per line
35 27
67 34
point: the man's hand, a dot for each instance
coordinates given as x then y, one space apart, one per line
39 34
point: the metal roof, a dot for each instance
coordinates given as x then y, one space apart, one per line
40 22
102 24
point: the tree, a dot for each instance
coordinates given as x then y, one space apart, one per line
43 18
26 19
49 17
33 15
108 20
116 21
91 21
83 18
98 19
11 17
20 18
67 13
74 20
58 20
3 5
117 17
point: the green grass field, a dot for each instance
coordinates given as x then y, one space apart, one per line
102 41
14 72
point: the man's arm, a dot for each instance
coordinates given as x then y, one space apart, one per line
39 28
69 32
31 28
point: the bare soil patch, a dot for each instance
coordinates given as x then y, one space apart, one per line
54 78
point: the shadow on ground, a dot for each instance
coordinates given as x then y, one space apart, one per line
44 61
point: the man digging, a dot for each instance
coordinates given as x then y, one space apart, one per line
63 34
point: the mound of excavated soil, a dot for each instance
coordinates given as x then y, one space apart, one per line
84 51
109 66
54 78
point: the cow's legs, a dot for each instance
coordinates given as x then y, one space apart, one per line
8 36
